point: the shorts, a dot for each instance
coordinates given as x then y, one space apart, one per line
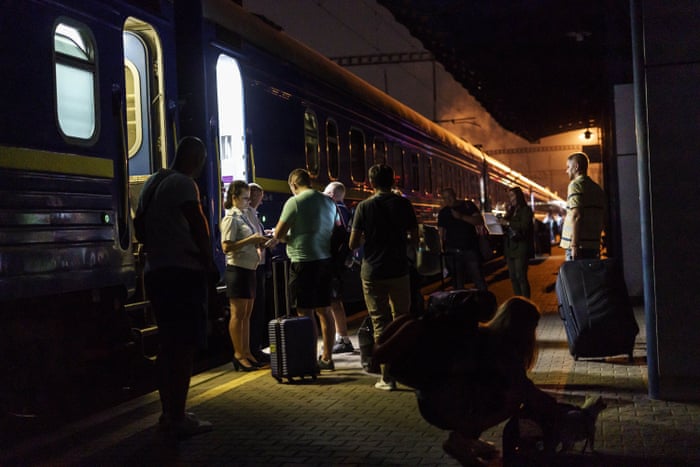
310 284
240 282
179 298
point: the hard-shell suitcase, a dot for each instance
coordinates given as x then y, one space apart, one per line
595 308
292 339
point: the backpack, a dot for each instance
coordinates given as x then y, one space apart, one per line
341 254
146 197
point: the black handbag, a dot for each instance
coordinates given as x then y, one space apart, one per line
481 305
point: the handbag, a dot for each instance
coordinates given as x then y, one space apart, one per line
140 216
484 244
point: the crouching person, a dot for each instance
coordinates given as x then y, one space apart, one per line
474 377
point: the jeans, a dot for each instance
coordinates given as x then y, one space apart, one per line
517 270
463 264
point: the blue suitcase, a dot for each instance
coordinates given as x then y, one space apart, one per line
292 339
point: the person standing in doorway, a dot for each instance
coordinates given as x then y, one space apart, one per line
306 224
178 263
386 224
457 222
585 211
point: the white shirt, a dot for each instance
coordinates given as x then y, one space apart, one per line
235 226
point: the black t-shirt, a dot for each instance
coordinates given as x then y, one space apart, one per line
458 233
384 218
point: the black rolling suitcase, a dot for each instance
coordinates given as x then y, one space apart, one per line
292 340
595 308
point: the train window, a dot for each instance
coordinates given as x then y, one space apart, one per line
136 91
397 165
379 151
428 175
311 140
464 184
358 170
333 149
75 70
229 95
415 171
438 175
134 133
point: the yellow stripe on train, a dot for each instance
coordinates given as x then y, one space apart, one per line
55 162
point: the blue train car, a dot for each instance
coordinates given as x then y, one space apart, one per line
96 94
68 153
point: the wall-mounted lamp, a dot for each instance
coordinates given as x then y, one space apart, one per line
588 136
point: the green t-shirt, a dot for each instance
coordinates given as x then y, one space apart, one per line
310 216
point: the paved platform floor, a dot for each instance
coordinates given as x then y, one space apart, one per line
341 419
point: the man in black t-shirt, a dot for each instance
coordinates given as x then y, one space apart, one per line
457 222
387 224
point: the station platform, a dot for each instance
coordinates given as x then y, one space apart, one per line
341 419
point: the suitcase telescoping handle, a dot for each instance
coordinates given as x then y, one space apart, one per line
284 264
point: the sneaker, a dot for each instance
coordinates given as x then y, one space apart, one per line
187 427
385 385
190 426
325 364
341 346
164 423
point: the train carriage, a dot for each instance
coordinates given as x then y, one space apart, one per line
67 266
95 96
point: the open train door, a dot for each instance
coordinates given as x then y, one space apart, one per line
144 113
144 131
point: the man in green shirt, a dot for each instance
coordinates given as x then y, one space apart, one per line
306 224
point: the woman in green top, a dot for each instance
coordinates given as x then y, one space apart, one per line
518 247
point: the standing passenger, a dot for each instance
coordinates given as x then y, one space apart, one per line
585 211
386 223
306 224
259 338
336 191
457 222
178 262
240 241
518 240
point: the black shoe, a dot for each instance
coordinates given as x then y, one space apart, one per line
261 357
241 367
257 363
326 364
341 346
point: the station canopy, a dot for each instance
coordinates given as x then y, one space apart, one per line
540 67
